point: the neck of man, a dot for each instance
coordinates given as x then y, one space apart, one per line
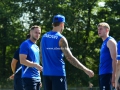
103 38
57 29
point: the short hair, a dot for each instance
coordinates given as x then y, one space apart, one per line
55 24
35 26
104 24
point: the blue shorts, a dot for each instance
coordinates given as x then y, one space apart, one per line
105 82
54 83
30 84
18 84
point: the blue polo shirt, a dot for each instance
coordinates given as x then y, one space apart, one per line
32 51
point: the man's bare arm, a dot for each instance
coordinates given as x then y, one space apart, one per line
117 72
13 65
113 52
28 63
65 49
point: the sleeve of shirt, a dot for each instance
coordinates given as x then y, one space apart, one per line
16 54
24 48
118 51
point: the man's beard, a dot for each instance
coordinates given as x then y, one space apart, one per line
100 36
34 38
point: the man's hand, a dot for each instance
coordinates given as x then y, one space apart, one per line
113 80
89 72
40 68
40 84
11 77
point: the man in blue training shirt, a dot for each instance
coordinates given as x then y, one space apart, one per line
29 58
117 81
108 53
53 47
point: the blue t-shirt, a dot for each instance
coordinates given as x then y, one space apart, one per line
32 51
105 65
18 70
118 51
52 55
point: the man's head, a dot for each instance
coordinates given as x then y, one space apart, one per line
58 21
35 32
103 29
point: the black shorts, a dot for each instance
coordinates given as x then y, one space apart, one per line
105 82
54 83
30 84
18 84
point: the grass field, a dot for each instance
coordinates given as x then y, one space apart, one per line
74 88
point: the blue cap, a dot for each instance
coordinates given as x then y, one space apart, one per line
58 18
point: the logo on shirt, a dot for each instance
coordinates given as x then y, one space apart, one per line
35 47
50 36
61 79
103 87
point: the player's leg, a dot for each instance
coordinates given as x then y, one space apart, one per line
30 84
19 85
59 83
47 84
105 82
14 83
100 85
37 85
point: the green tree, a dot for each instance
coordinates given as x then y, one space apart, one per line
11 34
